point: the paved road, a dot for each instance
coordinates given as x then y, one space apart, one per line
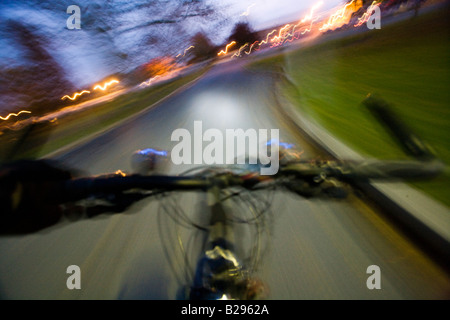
317 249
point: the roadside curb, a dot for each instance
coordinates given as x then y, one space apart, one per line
421 215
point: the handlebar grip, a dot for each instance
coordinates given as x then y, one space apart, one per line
389 170
80 188
368 169
410 142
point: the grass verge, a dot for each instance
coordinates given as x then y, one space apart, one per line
407 63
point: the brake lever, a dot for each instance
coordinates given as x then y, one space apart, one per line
317 188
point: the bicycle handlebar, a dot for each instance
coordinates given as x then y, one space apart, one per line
345 171
79 188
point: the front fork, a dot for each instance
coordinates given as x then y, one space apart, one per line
220 231
218 267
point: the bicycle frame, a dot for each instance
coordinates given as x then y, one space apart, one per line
220 274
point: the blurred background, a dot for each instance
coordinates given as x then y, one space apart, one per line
136 70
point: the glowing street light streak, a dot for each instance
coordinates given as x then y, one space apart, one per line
289 32
279 39
120 173
246 13
281 33
75 95
267 37
309 28
147 83
290 35
226 48
338 16
365 17
311 12
284 36
105 85
310 17
14 114
238 54
251 47
185 50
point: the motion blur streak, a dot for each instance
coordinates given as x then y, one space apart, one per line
309 17
286 34
147 83
75 95
289 32
281 35
14 114
267 37
105 85
185 50
238 54
340 17
232 43
247 13
251 47
365 17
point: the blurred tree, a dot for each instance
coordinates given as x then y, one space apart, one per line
161 26
42 79
242 34
115 36
202 48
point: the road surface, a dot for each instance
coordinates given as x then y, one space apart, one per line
317 249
